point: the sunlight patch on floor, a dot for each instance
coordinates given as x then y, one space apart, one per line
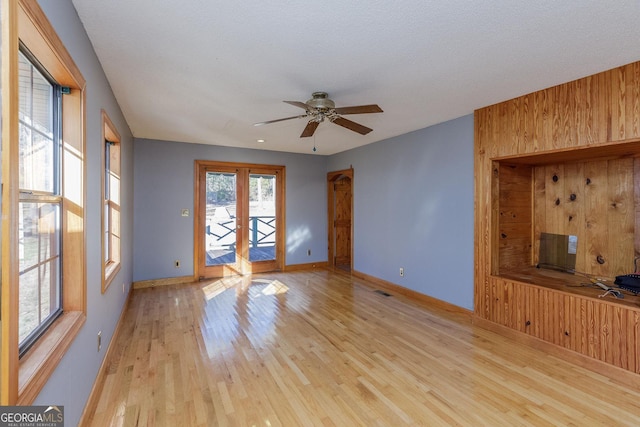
274 287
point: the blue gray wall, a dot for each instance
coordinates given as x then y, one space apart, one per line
164 184
413 208
72 381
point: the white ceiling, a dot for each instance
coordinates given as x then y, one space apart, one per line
204 71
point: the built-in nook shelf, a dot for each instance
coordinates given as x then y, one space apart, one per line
564 160
588 192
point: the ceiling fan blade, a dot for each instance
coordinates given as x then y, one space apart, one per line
298 104
356 127
359 109
279 120
309 129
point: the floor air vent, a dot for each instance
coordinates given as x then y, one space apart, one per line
383 293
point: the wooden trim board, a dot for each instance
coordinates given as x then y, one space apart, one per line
416 296
307 266
163 282
96 390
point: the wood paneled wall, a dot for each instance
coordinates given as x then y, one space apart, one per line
594 201
514 216
586 134
593 110
596 328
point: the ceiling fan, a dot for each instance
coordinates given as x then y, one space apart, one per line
320 107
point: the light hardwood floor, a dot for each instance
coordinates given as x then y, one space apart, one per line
318 348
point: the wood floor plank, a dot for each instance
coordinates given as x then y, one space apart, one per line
320 348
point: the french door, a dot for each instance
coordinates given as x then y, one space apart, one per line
239 227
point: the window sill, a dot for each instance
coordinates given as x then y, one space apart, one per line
110 271
41 360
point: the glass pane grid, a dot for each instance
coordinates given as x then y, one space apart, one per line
36 123
39 219
39 254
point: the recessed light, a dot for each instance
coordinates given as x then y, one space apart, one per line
261 140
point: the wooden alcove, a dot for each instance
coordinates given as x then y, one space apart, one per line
564 160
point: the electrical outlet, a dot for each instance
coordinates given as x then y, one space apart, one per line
177 263
401 271
99 340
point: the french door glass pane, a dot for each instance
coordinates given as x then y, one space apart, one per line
262 217
39 254
221 221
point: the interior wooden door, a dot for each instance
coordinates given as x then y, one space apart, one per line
342 224
239 227
340 218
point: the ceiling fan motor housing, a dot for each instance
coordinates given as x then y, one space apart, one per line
320 101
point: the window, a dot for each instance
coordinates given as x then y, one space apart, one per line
43 199
39 222
110 201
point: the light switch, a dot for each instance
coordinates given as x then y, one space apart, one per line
185 212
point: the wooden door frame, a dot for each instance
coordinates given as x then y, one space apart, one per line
332 177
199 225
